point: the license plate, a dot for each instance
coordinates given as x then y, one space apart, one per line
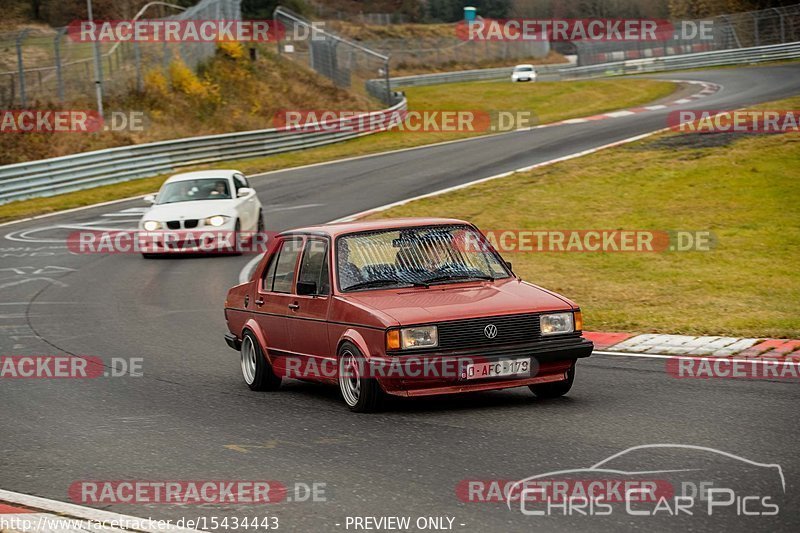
498 369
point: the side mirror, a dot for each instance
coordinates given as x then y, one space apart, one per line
245 191
508 265
149 199
306 288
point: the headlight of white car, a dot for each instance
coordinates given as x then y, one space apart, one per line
556 323
216 220
151 225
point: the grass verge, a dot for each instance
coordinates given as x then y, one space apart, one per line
550 101
744 189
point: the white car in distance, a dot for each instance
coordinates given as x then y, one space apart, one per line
203 203
523 73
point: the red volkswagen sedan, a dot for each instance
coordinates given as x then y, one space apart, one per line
406 307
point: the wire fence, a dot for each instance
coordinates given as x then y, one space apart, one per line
764 27
45 65
348 64
443 51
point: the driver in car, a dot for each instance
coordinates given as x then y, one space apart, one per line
220 190
428 254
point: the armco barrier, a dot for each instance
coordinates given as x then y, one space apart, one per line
48 177
736 56
378 86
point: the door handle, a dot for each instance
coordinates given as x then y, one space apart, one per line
294 307
260 301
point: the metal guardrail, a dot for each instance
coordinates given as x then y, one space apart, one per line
736 56
58 175
466 75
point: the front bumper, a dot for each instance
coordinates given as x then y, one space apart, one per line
189 241
549 361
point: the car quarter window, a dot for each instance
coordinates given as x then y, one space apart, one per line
269 272
281 277
314 265
240 181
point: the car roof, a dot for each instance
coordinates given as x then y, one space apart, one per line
524 65
200 174
342 228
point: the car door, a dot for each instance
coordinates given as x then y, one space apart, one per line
246 206
275 295
308 326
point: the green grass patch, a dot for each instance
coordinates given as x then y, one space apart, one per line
743 189
551 101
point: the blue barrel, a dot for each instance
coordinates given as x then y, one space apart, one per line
470 13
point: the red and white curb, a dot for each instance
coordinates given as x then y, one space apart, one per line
22 513
707 90
688 345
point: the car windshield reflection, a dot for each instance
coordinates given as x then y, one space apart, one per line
199 189
414 257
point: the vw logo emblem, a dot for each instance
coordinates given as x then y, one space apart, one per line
490 331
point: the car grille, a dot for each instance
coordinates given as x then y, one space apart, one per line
190 223
511 329
174 224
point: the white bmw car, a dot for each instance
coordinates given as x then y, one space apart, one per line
523 73
195 208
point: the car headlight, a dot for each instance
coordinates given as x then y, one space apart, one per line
216 220
556 323
151 225
409 338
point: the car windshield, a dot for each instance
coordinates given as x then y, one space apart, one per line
199 189
523 69
418 256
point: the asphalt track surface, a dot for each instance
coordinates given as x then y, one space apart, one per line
190 417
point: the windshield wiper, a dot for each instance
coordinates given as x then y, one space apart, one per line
380 282
462 277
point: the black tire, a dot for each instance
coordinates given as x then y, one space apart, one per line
260 225
237 230
370 396
260 377
555 389
150 256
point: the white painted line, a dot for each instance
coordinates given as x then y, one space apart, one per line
623 113
655 107
292 207
73 210
494 177
78 511
660 356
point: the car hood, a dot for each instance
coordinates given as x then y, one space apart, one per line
191 209
459 301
